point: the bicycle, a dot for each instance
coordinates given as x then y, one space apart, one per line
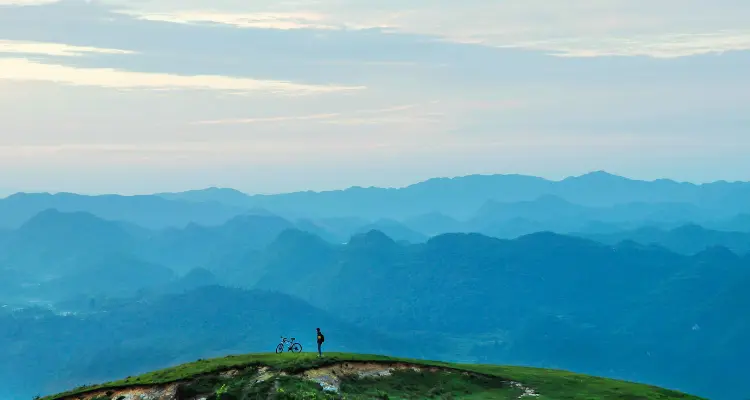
294 346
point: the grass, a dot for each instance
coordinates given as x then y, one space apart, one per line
550 384
443 385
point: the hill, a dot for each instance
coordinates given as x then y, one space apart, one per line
148 211
198 246
552 213
54 243
303 376
395 230
686 239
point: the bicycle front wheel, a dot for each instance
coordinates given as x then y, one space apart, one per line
279 349
297 348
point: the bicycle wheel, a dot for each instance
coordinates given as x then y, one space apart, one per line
279 348
297 348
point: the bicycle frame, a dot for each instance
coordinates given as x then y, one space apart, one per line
291 342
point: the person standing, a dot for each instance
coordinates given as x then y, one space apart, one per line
321 339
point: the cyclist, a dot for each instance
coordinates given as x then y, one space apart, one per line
321 339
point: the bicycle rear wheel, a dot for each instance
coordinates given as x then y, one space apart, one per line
279 348
296 348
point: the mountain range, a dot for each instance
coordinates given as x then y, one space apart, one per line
457 198
460 197
543 299
644 281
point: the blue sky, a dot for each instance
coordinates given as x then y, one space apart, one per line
272 96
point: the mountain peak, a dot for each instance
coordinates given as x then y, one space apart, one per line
294 238
374 237
53 216
597 176
716 253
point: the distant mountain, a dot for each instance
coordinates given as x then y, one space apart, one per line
334 233
198 246
54 243
336 230
545 299
687 239
196 278
295 259
461 197
737 223
394 229
211 195
435 223
113 276
147 211
456 198
552 213
75 253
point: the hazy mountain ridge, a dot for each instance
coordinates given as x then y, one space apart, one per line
457 198
460 197
144 210
687 239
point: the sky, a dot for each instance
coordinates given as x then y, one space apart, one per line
140 96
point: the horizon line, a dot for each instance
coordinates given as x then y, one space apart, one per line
354 187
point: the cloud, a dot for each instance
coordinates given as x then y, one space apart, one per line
657 46
330 118
54 49
21 69
576 28
25 2
283 21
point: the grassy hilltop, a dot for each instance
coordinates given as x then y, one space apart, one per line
350 376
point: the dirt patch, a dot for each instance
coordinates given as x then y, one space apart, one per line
230 374
329 378
157 392
527 392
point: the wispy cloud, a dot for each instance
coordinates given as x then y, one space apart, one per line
657 46
576 28
54 49
25 2
284 21
354 118
21 69
267 119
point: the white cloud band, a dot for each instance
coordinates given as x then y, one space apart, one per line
21 69
54 49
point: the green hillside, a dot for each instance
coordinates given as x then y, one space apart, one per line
349 376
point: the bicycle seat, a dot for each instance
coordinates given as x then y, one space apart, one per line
293 338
